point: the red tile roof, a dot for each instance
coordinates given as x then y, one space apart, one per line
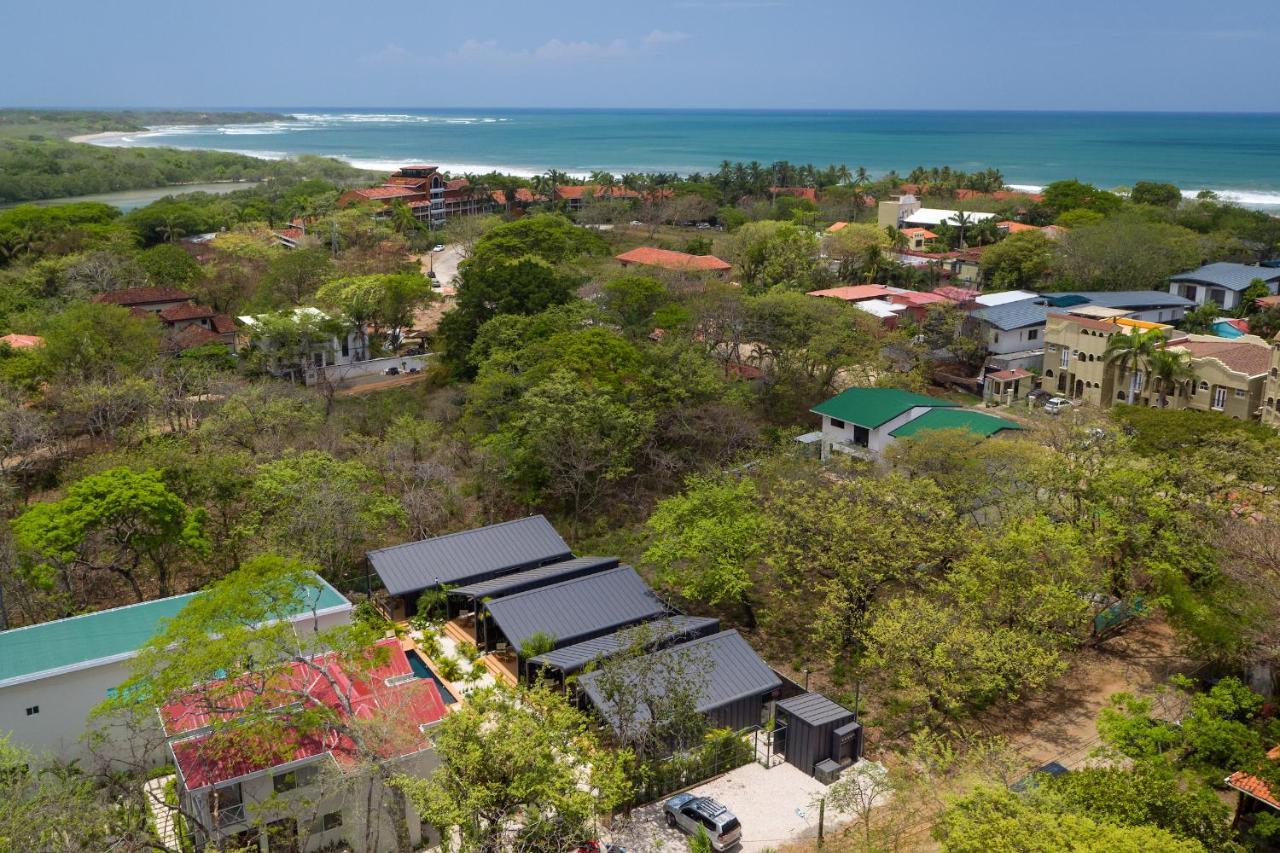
1016 227
403 181
1252 786
667 259
856 292
917 298
958 295
187 311
836 226
142 296
457 184
523 196
22 341
222 324
1008 375
798 192
190 337
408 703
1240 356
920 232
386 192
1268 301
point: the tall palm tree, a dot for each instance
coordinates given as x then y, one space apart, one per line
1171 370
1129 353
962 221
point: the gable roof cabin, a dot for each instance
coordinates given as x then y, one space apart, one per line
468 556
667 259
568 660
738 681
534 578
575 610
1255 788
873 407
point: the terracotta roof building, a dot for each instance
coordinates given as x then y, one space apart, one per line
650 256
22 341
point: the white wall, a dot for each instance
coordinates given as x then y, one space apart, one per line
1001 342
341 372
66 699
877 439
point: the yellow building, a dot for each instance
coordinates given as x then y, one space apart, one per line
1230 375
1271 390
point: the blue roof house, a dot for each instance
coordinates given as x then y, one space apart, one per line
1222 283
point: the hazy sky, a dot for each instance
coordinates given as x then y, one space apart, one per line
963 54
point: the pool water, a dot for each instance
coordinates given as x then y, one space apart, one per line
421 670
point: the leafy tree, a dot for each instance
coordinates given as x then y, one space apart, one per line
1256 290
1075 195
294 276
1171 371
632 301
170 266
1200 320
520 770
996 819
322 509
1156 194
386 302
854 244
93 341
1078 218
1129 353
491 287
774 253
552 238
1126 252
704 541
568 443
230 656
120 522
1019 261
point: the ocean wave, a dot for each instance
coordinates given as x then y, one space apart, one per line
377 165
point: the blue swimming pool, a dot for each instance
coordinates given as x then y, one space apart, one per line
421 670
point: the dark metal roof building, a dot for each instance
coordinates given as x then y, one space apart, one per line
737 686
468 556
575 610
818 730
533 578
571 659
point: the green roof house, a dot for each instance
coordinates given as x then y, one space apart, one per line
53 674
865 421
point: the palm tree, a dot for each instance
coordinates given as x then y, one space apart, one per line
1129 353
1171 369
962 220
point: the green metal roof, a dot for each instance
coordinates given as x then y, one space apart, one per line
81 641
975 422
871 407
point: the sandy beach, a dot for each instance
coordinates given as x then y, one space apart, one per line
98 138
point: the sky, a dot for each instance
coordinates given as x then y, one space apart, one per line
1179 55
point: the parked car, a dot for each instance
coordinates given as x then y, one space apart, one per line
1057 405
392 371
689 812
438 247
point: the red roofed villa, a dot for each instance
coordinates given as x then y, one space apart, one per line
236 783
649 256
22 341
1256 796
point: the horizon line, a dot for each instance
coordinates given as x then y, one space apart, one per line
635 109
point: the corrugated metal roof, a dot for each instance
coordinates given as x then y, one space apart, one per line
814 709
541 576
733 671
469 556
577 609
571 659
978 423
1132 299
1015 315
1228 275
78 642
871 407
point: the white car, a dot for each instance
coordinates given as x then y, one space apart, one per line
438 247
1057 405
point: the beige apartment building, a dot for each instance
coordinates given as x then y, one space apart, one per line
1271 390
1231 376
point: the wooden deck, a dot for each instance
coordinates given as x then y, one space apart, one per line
461 630
503 665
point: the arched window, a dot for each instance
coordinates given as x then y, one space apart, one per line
1204 386
1119 395
1049 374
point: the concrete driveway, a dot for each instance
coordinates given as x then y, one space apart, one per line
444 265
773 805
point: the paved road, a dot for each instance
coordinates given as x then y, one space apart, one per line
444 264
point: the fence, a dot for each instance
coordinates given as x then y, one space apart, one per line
721 751
340 373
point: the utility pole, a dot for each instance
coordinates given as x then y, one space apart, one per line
822 814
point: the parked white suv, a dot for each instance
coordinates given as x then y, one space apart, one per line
1057 405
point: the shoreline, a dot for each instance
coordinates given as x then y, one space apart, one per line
1264 200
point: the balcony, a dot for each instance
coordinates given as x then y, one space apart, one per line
232 814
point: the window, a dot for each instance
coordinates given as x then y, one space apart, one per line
331 821
861 436
995 337
291 779
1033 334
1066 357
33 710
836 423
346 346
1239 393
1219 397
1049 373
1204 386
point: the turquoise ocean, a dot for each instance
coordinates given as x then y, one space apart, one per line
1236 155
